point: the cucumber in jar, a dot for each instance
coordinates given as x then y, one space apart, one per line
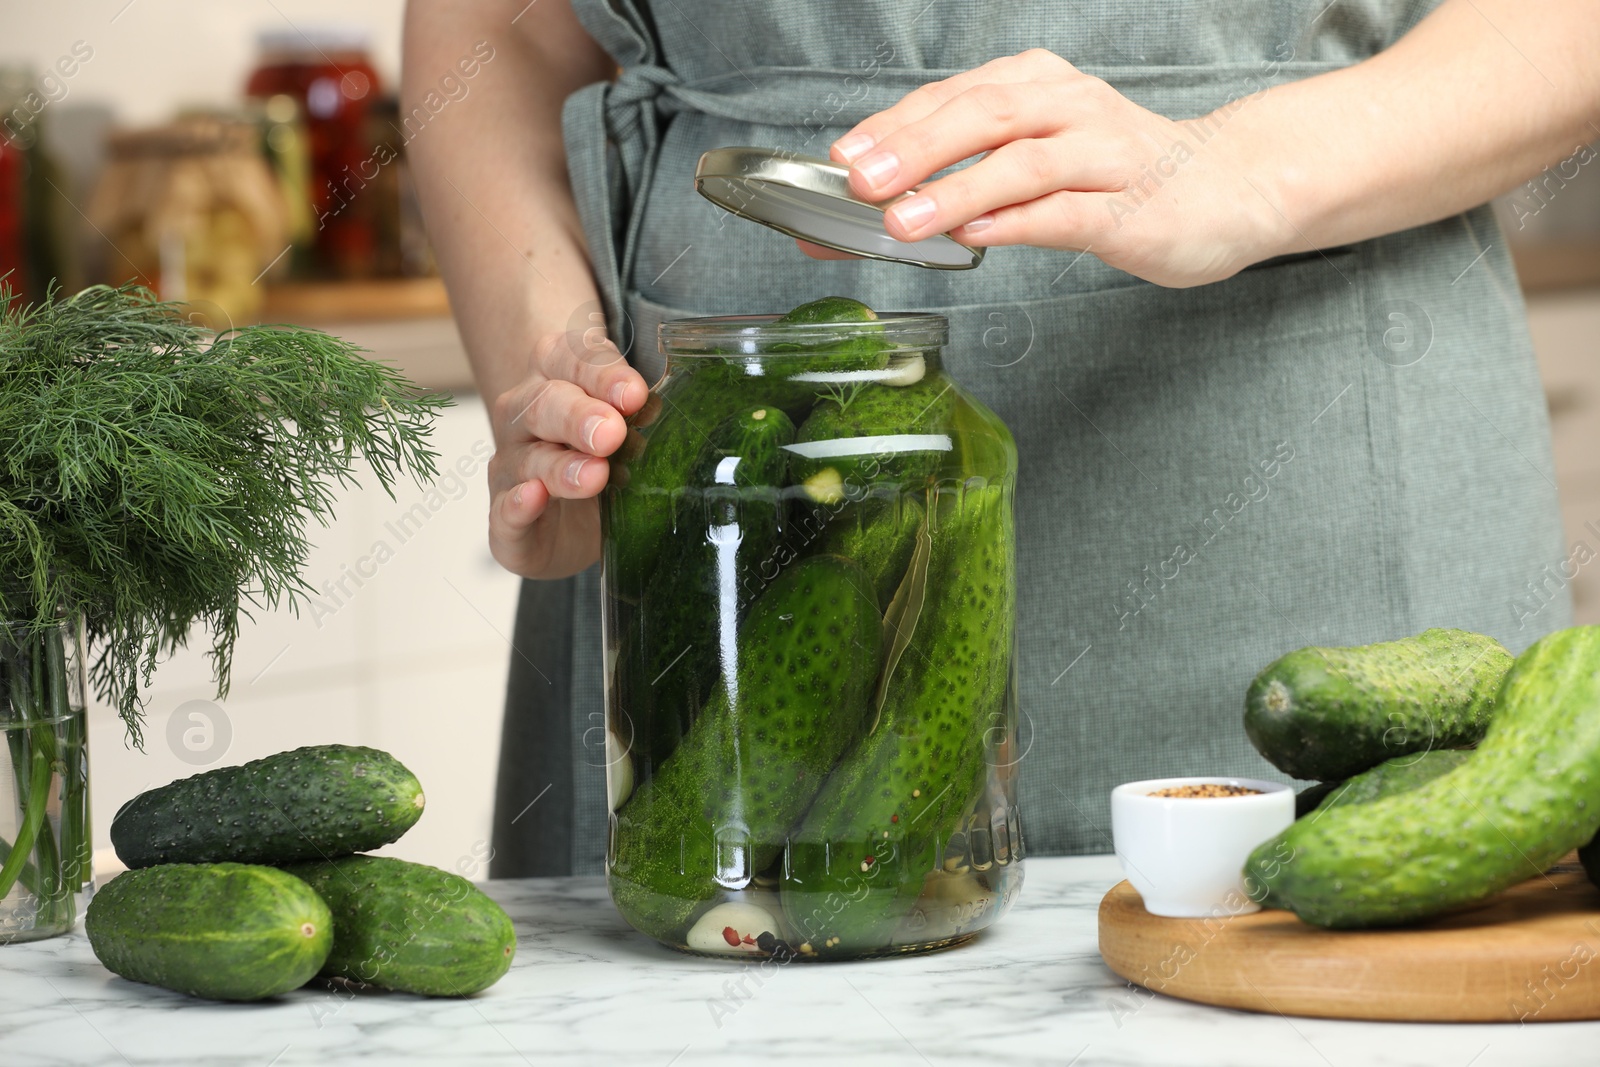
666 436
833 341
664 439
830 310
865 435
717 811
880 534
726 522
857 863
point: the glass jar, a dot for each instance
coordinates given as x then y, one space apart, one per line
34 232
810 584
193 208
326 69
46 848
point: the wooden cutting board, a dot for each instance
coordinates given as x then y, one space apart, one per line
1530 954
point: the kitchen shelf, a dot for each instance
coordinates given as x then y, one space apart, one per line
403 321
1547 266
427 350
315 303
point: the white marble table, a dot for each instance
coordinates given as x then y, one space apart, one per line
586 989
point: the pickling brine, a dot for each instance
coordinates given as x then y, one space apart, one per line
809 574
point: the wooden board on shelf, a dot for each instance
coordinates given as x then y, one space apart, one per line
1547 266
1526 955
356 301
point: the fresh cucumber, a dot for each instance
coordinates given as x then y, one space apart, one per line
718 810
1528 794
856 865
227 931
1386 779
1589 856
1329 713
1393 777
309 803
1307 800
726 529
410 927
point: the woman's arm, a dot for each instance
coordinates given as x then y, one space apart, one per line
1479 97
492 178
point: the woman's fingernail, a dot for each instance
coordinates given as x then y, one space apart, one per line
913 211
979 224
591 426
853 146
575 473
516 496
619 395
878 168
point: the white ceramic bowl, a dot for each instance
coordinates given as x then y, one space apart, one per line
1185 855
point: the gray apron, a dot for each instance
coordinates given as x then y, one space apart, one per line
1332 448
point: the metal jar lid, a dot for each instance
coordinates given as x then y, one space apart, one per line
810 198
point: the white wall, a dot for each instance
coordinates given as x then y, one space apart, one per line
154 56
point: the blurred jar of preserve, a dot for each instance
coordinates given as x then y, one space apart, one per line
326 71
34 228
286 147
191 210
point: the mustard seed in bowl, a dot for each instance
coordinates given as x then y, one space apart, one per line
1206 789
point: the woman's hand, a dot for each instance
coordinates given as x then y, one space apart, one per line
1071 164
1477 98
552 433
522 278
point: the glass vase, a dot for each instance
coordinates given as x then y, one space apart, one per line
46 850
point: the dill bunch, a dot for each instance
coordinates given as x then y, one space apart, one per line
155 475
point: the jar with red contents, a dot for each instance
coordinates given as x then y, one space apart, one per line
327 71
13 267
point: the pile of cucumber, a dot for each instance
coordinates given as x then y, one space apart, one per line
245 882
825 745
1450 771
